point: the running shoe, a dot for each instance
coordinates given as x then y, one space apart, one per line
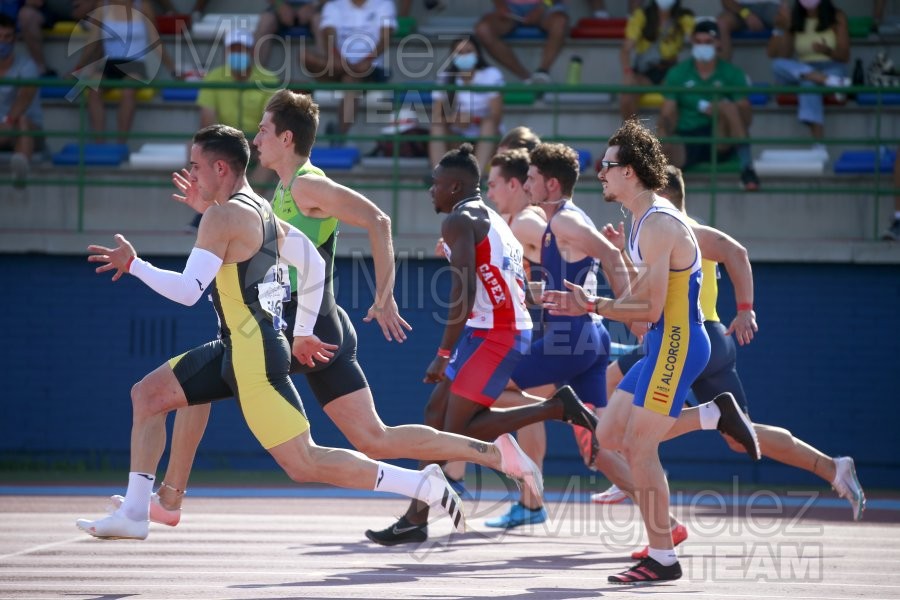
575 412
401 532
647 571
735 423
847 485
518 514
442 496
587 443
679 534
115 527
613 495
517 465
158 513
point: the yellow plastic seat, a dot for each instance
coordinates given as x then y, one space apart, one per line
651 100
115 95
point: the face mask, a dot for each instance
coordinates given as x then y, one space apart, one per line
809 4
465 62
665 4
704 52
6 49
239 61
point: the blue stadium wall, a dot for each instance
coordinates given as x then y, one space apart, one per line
824 365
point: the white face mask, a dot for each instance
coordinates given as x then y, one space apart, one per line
465 62
704 52
665 4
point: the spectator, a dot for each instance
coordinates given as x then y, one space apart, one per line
518 137
404 7
811 47
123 54
20 108
689 113
240 108
654 37
355 34
281 15
549 15
745 15
468 114
893 232
598 8
37 15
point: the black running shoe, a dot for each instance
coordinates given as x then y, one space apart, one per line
574 410
647 571
736 424
401 532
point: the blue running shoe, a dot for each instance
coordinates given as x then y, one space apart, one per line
518 515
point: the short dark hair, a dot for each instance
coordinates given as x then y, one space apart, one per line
520 137
559 162
512 164
674 188
298 113
7 22
641 150
708 26
225 143
463 159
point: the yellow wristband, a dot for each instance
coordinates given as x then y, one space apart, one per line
744 12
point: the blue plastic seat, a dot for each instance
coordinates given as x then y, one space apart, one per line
412 98
526 32
584 159
759 98
55 92
180 94
296 31
870 99
334 158
94 154
863 161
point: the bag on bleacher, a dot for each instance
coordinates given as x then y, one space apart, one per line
882 72
401 130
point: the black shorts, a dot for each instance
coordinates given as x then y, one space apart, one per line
118 69
720 374
341 375
655 72
700 152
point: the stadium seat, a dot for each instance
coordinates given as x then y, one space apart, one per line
870 99
180 94
334 158
213 26
296 32
413 98
651 100
588 28
56 91
759 98
526 32
859 27
159 156
115 95
584 159
522 97
791 163
448 26
791 100
66 28
173 24
863 161
94 154
405 26
727 166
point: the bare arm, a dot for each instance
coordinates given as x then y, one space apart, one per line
529 227
322 197
575 234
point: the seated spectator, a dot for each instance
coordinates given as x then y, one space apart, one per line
20 107
239 108
893 232
654 37
689 113
37 15
404 7
745 15
549 15
598 8
355 34
518 137
281 15
811 47
131 51
466 113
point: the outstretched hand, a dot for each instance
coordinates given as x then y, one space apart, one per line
436 371
390 321
615 235
568 304
182 181
309 349
113 258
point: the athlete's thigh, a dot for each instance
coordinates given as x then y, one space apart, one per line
720 374
562 353
590 384
198 372
355 415
483 362
614 418
342 377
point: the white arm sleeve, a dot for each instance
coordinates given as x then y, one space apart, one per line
184 288
300 252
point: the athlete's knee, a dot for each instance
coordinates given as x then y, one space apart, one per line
373 441
144 403
608 437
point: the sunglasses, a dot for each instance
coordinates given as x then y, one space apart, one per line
606 164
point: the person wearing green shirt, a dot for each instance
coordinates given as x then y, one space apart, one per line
688 112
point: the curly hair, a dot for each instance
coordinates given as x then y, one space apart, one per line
557 161
640 149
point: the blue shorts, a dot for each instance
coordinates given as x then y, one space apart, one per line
483 361
675 357
568 353
522 10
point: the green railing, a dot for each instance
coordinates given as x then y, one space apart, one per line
82 178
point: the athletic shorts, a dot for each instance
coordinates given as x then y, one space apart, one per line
253 369
569 353
720 374
483 361
700 152
342 374
522 10
675 357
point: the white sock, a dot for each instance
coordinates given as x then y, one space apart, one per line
137 498
666 558
406 482
709 415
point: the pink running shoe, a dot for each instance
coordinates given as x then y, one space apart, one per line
613 495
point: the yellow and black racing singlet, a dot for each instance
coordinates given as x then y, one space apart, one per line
322 232
236 295
709 289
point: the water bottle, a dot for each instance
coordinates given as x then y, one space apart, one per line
573 76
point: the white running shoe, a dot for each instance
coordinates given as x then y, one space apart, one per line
847 485
442 496
158 513
518 466
115 527
613 495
